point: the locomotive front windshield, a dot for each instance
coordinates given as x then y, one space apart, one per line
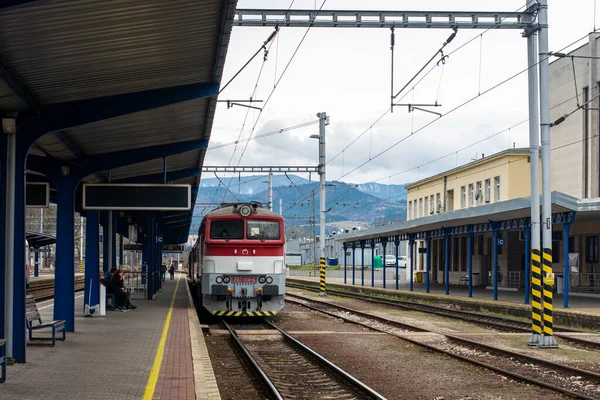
227 229
262 230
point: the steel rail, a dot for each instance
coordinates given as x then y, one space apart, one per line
357 385
257 368
588 374
504 324
460 357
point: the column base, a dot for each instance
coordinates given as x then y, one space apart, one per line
535 339
548 342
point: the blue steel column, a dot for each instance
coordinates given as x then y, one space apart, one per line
384 243
566 229
527 231
64 272
362 257
105 241
353 262
92 259
397 243
113 239
20 283
148 258
372 262
36 268
121 250
447 262
345 265
427 263
411 242
470 261
495 267
3 166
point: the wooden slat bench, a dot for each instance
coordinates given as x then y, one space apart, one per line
3 359
33 315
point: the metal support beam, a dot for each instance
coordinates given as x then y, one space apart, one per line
15 84
527 233
411 242
384 19
372 263
383 244
345 264
362 258
353 263
60 116
447 261
91 295
470 261
566 232
253 169
427 263
396 244
495 264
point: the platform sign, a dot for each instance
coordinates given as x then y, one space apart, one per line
500 242
173 248
37 195
113 196
100 238
133 247
159 239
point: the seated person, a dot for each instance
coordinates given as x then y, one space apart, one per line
120 292
107 279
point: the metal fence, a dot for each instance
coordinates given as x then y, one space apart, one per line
135 282
512 279
585 282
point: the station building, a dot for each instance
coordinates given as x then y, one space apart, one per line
487 201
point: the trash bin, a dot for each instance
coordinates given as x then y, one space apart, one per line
378 262
418 277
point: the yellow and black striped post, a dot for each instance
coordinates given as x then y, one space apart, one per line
548 339
81 266
323 289
536 294
310 270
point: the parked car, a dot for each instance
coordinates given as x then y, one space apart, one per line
390 261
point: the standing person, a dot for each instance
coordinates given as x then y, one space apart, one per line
163 271
172 272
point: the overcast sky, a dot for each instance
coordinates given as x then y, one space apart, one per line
346 73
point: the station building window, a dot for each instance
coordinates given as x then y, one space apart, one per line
591 249
426 206
470 195
488 190
478 193
496 188
463 196
432 205
410 210
420 207
438 203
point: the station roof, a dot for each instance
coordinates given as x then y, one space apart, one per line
37 239
102 78
585 209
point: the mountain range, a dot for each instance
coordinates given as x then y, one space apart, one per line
347 205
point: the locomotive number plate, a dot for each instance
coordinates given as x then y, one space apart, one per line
244 279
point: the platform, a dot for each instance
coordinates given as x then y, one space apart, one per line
154 352
581 309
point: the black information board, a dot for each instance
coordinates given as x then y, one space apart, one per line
137 197
133 247
172 248
37 194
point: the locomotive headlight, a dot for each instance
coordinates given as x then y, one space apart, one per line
261 279
245 211
226 279
269 280
219 279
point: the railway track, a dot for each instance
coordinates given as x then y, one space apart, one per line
571 381
487 321
46 291
291 370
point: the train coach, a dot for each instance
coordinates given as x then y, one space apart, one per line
237 262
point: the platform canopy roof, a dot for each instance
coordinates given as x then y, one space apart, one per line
572 208
37 239
99 86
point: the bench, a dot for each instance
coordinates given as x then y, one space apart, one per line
113 301
3 359
33 315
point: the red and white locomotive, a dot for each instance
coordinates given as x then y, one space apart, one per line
238 261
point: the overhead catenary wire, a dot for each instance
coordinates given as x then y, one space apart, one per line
415 85
264 135
456 108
